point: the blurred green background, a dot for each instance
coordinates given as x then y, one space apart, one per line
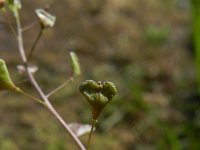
144 46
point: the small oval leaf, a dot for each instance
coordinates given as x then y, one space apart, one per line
80 129
22 70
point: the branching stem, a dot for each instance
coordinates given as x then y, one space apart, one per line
29 26
36 85
60 87
32 97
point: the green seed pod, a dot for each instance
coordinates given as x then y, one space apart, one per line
5 80
75 64
97 94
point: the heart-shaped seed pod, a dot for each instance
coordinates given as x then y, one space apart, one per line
5 80
97 94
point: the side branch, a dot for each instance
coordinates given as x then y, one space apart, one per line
53 111
37 87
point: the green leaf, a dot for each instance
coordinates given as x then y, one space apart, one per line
98 95
5 80
75 64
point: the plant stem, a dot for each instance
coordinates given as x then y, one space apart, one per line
19 36
35 43
60 87
91 131
37 87
54 112
29 26
32 97
9 25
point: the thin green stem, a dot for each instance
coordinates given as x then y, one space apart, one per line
91 131
30 96
60 87
29 26
35 43
19 36
6 22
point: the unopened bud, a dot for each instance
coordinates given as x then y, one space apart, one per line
75 64
5 80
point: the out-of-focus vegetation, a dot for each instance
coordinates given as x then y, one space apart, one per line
143 46
196 36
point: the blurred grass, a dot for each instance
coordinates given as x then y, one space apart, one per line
196 36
